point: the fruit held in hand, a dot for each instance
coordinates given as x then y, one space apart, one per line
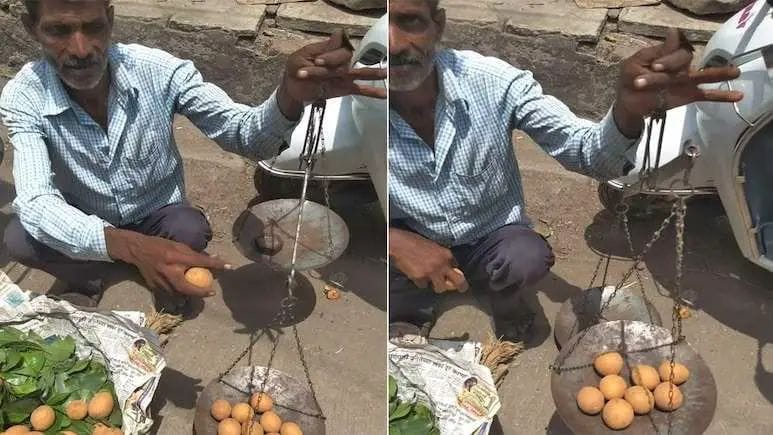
609 363
290 428
612 387
639 399
229 426
590 400
617 414
199 276
42 418
680 372
220 409
662 401
101 405
261 402
645 376
77 410
270 421
242 412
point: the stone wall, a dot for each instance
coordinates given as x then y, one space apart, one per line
242 44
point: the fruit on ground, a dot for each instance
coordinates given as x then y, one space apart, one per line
270 422
199 276
229 426
639 399
242 412
590 400
220 410
680 372
42 418
101 405
290 428
617 414
77 410
261 402
609 363
612 387
662 401
645 376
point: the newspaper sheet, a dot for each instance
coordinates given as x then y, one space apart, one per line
132 354
446 376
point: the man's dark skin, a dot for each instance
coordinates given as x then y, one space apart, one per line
75 37
415 28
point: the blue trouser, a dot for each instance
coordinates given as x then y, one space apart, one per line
502 263
179 222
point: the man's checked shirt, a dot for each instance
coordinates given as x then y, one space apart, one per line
73 179
470 184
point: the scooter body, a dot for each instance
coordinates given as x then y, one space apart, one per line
354 129
720 148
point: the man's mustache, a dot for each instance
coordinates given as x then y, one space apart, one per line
73 62
406 59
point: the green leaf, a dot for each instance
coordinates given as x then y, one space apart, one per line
401 411
116 417
12 359
434 431
392 388
79 366
25 388
415 425
20 410
421 410
392 407
2 417
46 379
394 430
61 349
34 361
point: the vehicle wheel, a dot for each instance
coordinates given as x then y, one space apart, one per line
610 197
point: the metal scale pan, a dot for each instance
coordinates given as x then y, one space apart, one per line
266 231
290 396
579 312
700 390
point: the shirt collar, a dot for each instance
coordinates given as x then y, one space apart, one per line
452 96
57 99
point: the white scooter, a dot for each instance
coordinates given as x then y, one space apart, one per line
354 131
720 148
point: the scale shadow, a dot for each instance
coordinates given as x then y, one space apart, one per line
713 269
254 293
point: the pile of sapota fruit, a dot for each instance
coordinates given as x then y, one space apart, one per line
254 418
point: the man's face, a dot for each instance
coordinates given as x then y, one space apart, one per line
413 34
75 36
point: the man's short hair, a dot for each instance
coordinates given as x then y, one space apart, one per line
32 7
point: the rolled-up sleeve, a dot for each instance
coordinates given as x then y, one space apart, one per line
595 149
41 208
253 132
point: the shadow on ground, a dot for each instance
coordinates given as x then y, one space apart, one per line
254 293
179 389
717 278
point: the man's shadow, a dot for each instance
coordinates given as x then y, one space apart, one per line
176 388
717 279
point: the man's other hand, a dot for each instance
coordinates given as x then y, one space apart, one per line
425 262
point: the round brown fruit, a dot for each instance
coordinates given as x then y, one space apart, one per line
42 418
590 400
612 387
270 421
680 372
17 430
645 376
242 412
199 276
609 363
67 432
101 429
639 399
252 427
229 426
77 410
101 405
662 401
220 409
617 414
290 428
261 402
34 432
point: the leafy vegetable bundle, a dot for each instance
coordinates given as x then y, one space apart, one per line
409 418
45 375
